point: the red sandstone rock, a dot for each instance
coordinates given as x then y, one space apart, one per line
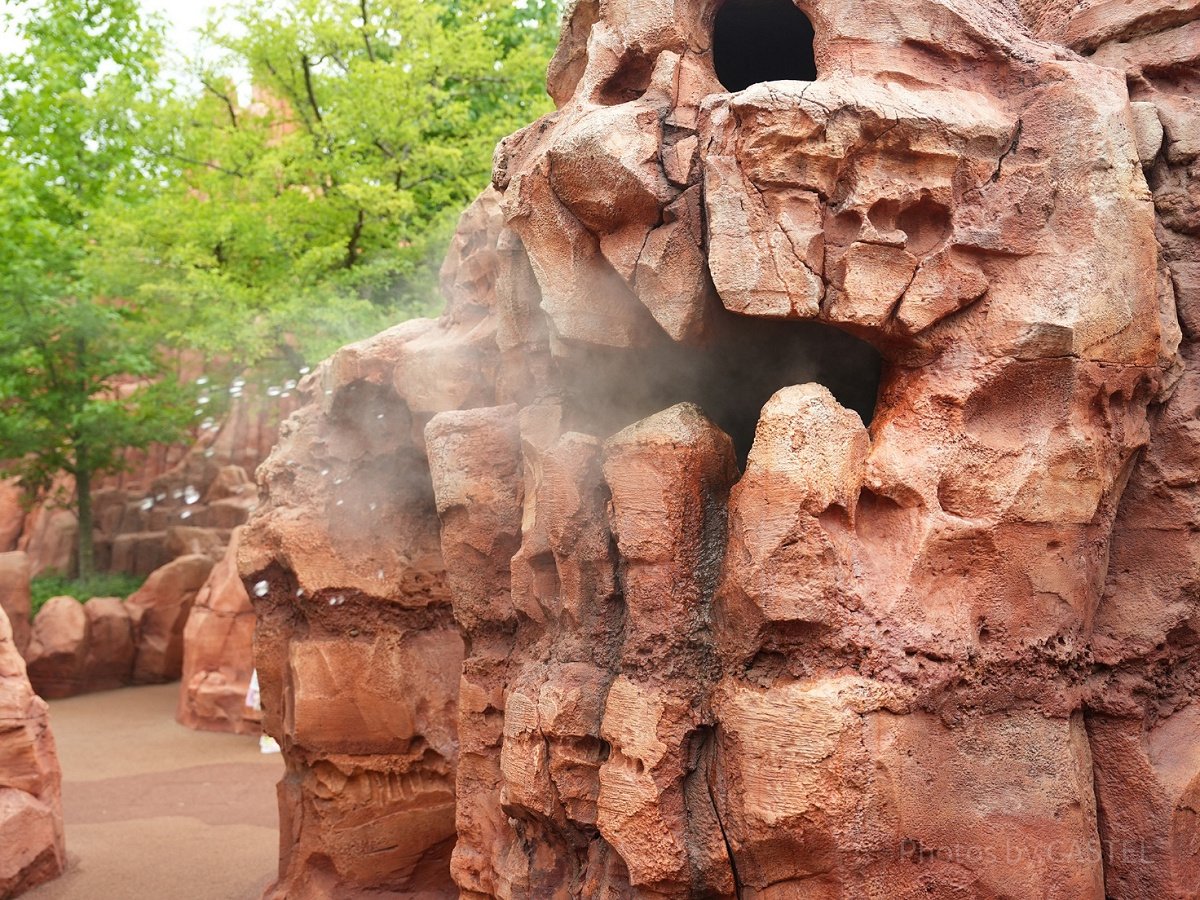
363 695
50 539
951 654
12 514
31 825
218 653
79 648
111 651
159 611
14 595
58 648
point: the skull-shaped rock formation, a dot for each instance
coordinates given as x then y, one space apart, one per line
806 459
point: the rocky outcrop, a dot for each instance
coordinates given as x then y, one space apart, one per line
357 652
218 651
31 824
159 611
813 473
107 642
15 597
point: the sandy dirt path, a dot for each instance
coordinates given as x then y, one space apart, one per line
154 811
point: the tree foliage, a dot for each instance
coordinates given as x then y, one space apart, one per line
141 219
81 373
319 212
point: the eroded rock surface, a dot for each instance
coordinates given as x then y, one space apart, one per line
218 653
809 471
31 824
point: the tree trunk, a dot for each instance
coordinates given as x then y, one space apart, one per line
83 503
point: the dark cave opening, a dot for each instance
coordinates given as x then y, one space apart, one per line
731 378
762 40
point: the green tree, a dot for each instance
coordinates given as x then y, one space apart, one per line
82 375
319 212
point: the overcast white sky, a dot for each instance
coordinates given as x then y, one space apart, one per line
182 18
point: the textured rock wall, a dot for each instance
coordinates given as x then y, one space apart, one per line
1140 714
31 825
218 653
733 622
107 642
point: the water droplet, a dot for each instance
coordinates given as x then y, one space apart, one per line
290 384
160 497
285 394
239 382
340 502
148 504
209 453
335 601
379 574
373 505
203 400
324 472
299 592
191 495
380 416
260 589
273 391
329 393
177 495
203 379
186 514
338 480
304 370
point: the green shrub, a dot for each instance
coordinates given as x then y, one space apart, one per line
52 584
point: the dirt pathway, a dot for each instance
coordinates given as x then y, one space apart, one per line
154 810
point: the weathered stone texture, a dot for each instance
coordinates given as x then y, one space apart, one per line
736 620
218 653
31 824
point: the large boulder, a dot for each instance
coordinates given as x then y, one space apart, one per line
31 826
50 539
218 653
58 649
159 611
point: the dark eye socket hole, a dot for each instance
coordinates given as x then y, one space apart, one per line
629 82
762 40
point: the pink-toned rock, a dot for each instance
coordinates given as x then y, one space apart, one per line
14 595
139 552
50 539
183 540
108 663
218 653
159 611
58 648
79 648
31 823
357 652
939 638
12 514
